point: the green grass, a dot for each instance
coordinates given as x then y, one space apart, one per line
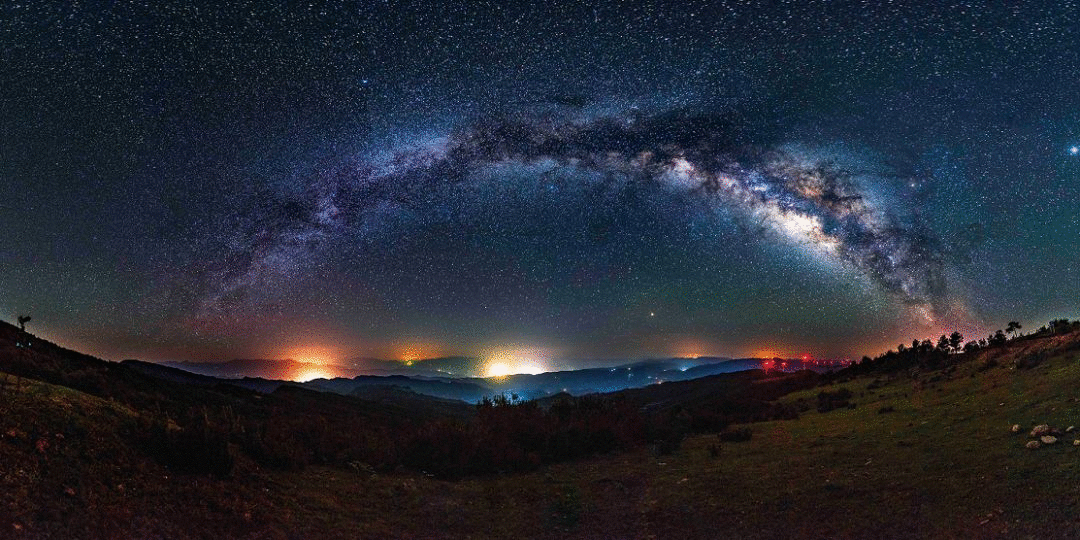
943 464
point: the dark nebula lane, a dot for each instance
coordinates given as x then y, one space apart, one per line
807 198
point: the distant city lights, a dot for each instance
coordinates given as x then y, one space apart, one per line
514 361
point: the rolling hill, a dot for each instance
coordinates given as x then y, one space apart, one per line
94 449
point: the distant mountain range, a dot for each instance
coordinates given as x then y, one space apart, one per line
293 370
434 377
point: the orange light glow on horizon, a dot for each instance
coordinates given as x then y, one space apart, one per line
767 354
312 373
312 355
689 348
497 369
410 353
504 362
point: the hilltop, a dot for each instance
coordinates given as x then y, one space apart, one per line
897 447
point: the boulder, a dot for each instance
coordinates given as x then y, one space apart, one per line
1048 439
1015 428
1032 444
1040 430
1076 442
1070 429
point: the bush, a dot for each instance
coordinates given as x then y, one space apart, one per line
828 401
742 434
666 447
508 435
274 444
1030 361
567 509
202 447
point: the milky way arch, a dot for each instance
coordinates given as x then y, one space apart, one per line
809 200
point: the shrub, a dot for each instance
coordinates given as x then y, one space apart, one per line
567 509
742 434
1029 361
666 447
828 401
200 446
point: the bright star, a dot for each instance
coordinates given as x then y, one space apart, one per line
1074 150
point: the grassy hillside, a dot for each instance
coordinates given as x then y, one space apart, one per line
915 453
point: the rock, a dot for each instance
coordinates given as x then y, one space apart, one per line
362 469
1032 444
1070 429
1048 439
1015 428
1076 442
1040 430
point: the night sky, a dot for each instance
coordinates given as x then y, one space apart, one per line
551 182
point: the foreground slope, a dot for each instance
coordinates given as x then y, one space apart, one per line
923 453
943 463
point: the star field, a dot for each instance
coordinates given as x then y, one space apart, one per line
593 180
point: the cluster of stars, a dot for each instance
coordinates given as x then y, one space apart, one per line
224 179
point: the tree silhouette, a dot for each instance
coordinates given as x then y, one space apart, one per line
1013 328
943 344
926 347
997 338
1059 325
955 340
23 319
